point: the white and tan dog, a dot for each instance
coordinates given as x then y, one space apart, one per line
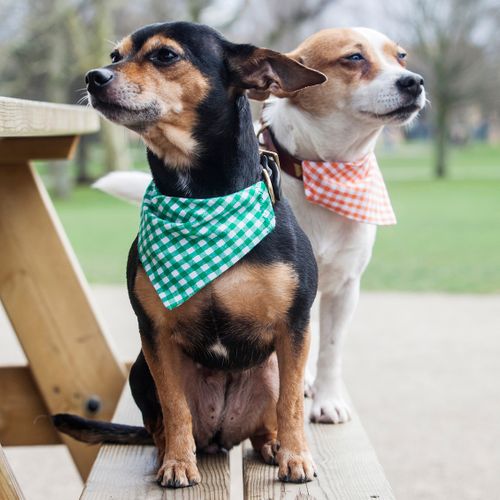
368 87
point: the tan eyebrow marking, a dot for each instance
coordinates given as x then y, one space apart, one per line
159 41
124 47
391 50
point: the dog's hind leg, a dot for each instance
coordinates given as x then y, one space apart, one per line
266 443
336 311
144 393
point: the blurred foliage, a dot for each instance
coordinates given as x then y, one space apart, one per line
48 45
455 44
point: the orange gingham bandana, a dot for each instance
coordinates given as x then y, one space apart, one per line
355 190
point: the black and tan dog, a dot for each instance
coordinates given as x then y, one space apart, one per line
227 364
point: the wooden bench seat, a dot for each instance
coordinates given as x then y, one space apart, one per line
348 469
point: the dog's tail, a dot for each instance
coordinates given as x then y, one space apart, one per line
99 432
129 186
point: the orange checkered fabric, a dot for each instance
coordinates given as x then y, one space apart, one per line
355 190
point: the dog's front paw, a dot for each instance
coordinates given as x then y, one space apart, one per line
178 474
295 467
269 451
330 409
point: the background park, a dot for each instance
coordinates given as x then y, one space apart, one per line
422 357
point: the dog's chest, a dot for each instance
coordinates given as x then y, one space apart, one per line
231 323
342 247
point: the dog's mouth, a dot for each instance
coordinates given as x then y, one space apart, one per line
103 105
131 116
401 113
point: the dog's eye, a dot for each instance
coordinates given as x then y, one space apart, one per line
402 55
163 56
355 57
115 56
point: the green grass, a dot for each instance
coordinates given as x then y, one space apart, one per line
412 161
101 230
447 237
448 232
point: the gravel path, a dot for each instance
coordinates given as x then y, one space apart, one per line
423 371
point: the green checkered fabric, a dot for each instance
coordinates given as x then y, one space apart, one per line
185 243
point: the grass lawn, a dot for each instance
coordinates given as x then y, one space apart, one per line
447 237
101 230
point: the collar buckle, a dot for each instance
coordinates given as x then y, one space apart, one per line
271 174
269 185
272 155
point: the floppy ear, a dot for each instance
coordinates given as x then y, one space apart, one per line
265 72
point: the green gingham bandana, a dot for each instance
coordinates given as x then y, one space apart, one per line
185 243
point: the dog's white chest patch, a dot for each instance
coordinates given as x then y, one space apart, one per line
219 349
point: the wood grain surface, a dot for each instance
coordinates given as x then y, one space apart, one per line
49 306
348 468
9 489
129 472
22 118
24 416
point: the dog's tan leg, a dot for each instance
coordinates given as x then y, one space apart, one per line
165 361
294 459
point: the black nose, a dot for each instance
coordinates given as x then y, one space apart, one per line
98 78
411 83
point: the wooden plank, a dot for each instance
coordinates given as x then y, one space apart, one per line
24 417
22 149
236 473
9 488
48 303
348 468
129 472
22 118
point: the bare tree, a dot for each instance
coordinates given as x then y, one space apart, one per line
55 51
275 23
452 41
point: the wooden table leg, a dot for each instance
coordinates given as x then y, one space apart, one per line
46 299
9 489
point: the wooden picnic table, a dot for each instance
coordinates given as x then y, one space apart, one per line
71 367
348 469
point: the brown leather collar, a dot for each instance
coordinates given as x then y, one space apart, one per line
289 164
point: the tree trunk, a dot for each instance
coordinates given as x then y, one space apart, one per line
82 160
59 171
441 141
114 138
116 153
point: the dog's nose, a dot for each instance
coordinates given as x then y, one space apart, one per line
98 78
411 83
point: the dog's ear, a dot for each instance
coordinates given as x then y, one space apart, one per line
264 72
